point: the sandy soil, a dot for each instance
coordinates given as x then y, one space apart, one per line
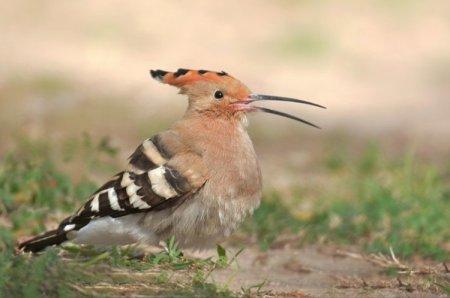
326 272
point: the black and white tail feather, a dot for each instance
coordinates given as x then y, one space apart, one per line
149 185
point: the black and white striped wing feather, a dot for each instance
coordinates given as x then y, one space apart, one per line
150 184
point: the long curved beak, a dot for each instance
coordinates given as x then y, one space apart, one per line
260 97
245 105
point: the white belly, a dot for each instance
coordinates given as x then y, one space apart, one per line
107 231
197 223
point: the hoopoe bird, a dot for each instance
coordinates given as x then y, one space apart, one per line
196 181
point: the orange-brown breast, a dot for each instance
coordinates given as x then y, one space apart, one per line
227 152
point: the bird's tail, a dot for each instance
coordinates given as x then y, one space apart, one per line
38 243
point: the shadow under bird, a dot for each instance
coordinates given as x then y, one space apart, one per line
195 181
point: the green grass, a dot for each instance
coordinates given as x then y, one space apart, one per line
43 275
31 186
373 202
367 199
33 190
270 220
75 270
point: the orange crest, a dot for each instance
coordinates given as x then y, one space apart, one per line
184 77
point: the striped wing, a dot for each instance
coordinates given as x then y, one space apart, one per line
153 182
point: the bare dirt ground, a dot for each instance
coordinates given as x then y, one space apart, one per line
318 271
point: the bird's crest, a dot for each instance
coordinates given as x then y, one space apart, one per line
184 77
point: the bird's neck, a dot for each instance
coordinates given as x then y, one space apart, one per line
222 135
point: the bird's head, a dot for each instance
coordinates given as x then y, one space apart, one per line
220 95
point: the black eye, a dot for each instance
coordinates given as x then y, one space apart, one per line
218 94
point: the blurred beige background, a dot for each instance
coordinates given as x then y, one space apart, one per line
381 67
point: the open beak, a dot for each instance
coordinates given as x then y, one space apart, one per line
245 105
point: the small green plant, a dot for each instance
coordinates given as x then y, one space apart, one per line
253 290
171 254
163 277
222 259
